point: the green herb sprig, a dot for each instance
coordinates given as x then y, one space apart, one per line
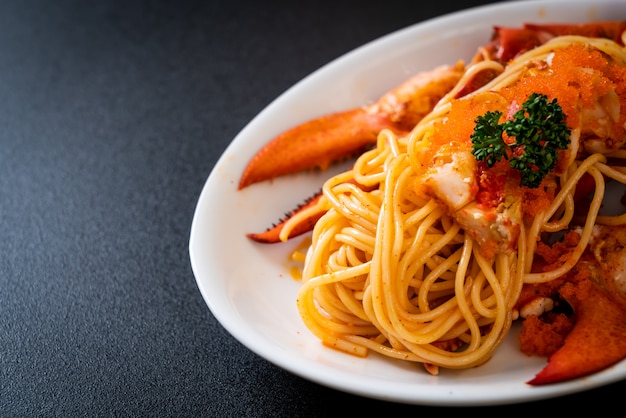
539 132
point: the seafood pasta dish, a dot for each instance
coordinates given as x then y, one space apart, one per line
474 201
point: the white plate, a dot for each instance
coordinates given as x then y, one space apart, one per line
248 286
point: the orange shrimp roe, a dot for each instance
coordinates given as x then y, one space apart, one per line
568 79
539 199
453 133
542 337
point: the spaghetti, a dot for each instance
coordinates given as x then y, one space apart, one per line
410 260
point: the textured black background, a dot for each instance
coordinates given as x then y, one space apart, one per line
112 115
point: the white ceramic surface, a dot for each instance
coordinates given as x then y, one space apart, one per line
248 287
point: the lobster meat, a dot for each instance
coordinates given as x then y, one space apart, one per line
591 335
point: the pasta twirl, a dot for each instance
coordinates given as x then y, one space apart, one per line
412 261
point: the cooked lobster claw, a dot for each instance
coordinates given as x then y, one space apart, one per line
315 144
596 291
597 340
309 216
272 234
337 136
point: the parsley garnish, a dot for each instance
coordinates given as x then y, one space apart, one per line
538 130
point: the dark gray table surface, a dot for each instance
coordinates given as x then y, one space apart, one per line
112 115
